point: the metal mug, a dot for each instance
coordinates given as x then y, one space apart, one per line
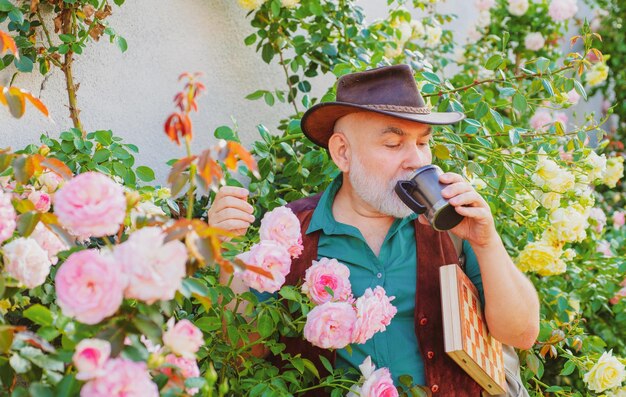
422 194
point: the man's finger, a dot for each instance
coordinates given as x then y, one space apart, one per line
221 203
450 177
455 189
231 213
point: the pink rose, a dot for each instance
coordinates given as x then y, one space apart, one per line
49 241
327 273
376 382
121 378
183 368
269 256
561 118
41 200
26 261
7 217
184 338
540 119
374 313
573 97
484 5
90 205
379 384
283 227
155 269
534 41
90 286
90 357
50 181
560 10
618 219
330 325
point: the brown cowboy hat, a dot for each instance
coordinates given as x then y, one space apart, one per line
389 90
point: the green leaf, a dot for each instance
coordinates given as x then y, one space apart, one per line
145 173
481 110
208 324
275 6
250 39
225 132
493 62
269 98
441 152
433 78
256 95
67 38
40 390
547 86
39 315
67 386
326 364
6 6
26 222
580 89
267 53
568 368
105 138
519 102
6 338
121 43
24 64
192 285
265 325
498 119
147 327
542 64
514 136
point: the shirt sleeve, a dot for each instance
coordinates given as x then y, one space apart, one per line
472 269
263 296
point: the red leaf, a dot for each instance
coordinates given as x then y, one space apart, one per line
178 125
7 43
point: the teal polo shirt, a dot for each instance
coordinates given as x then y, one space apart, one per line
395 270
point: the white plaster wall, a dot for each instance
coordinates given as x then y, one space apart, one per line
131 93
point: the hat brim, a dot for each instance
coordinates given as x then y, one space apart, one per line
318 122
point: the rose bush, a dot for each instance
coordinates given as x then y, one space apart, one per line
109 285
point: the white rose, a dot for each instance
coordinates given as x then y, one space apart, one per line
568 224
418 29
534 41
614 171
597 164
607 373
251 4
433 36
598 73
518 7
26 261
484 19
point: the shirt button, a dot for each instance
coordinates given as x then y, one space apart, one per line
379 275
434 388
430 355
423 321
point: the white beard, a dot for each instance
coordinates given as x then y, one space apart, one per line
378 193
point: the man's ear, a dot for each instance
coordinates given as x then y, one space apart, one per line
339 149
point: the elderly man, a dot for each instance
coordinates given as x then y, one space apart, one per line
377 133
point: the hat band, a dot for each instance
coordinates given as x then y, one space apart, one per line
402 109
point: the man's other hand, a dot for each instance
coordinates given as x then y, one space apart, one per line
231 211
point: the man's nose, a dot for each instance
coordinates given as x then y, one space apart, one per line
415 158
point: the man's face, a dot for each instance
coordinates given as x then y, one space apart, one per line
382 151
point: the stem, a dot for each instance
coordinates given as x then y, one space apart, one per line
43 26
479 82
282 63
192 177
69 28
